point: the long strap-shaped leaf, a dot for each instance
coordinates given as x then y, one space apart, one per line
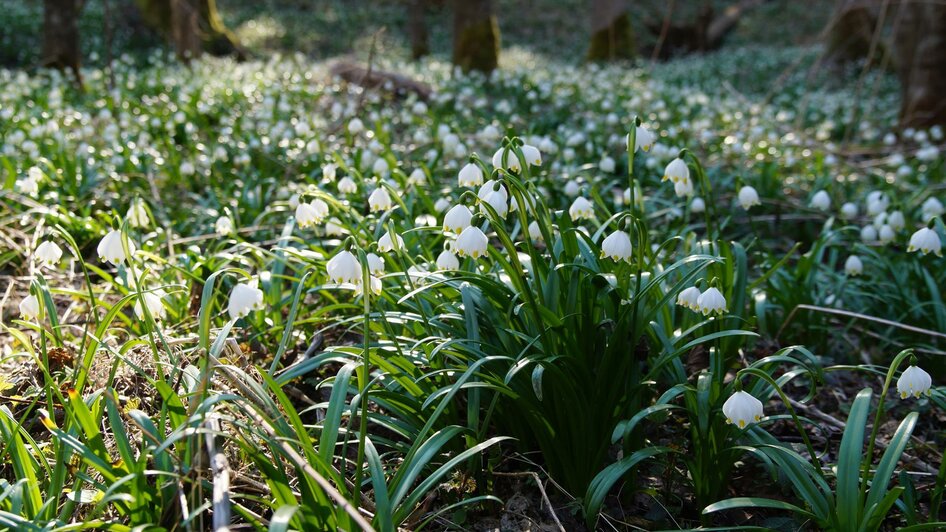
849 463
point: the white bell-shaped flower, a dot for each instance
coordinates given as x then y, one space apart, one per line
29 307
417 177
868 234
607 165
381 167
347 185
677 170
457 219
374 284
344 268
572 188
333 227
689 298
932 208
375 264
470 175
849 211
224 226
154 305
137 214
110 247
329 172
853 265
379 200
683 188
711 302
748 197
442 204
48 254
821 200
581 209
472 243
506 160
307 215
643 139
535 233
914 381
697 205
925 241
447 260
387 242
617 246
897 221
355 126
532 155
742 409
497 200
244 298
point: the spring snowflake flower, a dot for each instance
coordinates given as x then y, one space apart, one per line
470 176
925 240
110 248
29 308
417 177
914 381
187 168
355 126
581 209
307 214
333 227
346 185
711 302
379 200
897 221
442 205
677 170
849 211
375 264
572 188
748 197
932 208
877 202
48 254
457 219
607 165
472 243
683 188
224 226
853 265
617 246
535 232
137 214
821 200
886 234
153 303
244 298
697 205
689 298
742 409
374 284
868 233
447 260
643 139
344 268
387 243
532 155
380 167
329 172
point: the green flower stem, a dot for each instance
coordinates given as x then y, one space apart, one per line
868 456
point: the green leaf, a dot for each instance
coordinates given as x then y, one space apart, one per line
849 463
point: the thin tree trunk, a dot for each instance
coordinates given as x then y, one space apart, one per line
850 32
920 39
475 35
61 36
190 26
417 27
611 35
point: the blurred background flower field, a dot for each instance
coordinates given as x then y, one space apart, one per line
472 265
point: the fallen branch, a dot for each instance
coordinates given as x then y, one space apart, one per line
371 78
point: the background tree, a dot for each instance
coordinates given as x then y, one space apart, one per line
611 34
61 36
919 41
850 33
190 26
475 35
417 28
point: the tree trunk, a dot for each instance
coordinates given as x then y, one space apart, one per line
611 34
850 32
920 39
475 35
190 26
61 36
417 27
